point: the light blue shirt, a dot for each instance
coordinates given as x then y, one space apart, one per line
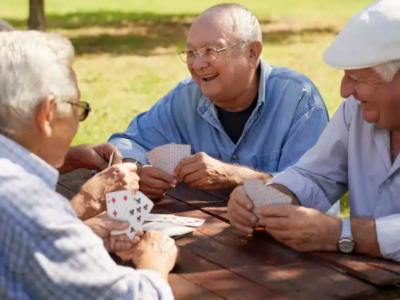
352 155
46 252
289 117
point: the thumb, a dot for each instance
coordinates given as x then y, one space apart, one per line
112 225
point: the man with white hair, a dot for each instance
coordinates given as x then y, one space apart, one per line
242 117
358 152
46 252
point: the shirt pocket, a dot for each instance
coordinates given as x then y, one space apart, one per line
268 162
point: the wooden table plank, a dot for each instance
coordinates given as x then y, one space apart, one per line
184 289
266 263
377 271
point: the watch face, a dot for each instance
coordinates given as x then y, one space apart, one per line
346 246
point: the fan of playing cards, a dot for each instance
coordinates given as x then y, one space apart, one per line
123 206
263 195
167 157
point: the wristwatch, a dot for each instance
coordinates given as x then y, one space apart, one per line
346 243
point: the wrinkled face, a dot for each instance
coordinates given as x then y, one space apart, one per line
380 100
229 74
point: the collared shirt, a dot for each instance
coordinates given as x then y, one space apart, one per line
289 117
352 155
46 252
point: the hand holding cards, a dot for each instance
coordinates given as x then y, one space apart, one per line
123 206
167 157
263 195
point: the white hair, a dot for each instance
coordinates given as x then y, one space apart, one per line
33 66
246 25
388 70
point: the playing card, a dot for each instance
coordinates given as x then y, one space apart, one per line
158 217
116 203
137 210
192 222
172 230
263 195
167 157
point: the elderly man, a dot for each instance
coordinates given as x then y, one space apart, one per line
90 201
242 117
46 251
358 152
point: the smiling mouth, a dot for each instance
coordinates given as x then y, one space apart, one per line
209 77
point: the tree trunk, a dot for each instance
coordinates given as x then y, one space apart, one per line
37 18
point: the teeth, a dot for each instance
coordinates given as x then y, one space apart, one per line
209 76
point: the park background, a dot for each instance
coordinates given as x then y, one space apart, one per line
126 50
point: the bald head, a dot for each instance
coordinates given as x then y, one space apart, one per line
4 26
240 22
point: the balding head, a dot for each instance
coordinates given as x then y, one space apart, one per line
4 26
240 22
223 54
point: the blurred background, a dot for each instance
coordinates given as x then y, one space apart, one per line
126 50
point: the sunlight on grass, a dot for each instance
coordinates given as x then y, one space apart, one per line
126 50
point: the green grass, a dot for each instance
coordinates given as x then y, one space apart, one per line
126 50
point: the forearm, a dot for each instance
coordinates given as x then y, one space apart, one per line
365 237
237 174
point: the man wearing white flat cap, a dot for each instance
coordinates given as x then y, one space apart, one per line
358 152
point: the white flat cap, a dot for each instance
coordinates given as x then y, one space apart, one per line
371 37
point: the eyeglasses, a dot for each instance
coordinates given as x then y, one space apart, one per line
208 54
83 109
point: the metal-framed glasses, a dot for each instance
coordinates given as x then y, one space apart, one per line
208 54
83 109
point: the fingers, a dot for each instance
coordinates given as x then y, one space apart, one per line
242 228
131 167
186 161
117 159
242 216
273 223
120 243
151 172
186 169
154 183
116 225
276 210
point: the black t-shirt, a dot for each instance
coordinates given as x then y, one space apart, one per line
234 122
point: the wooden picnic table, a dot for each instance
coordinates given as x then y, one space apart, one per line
219 262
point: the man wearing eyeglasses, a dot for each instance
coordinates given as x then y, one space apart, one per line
243 118
46 252
89 203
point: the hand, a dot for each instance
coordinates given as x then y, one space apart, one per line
90 200
94 157
201 171
155 182
240 211
303 229
157 252
102 225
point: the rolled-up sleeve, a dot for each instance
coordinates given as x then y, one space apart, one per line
320 176
387 230
148 130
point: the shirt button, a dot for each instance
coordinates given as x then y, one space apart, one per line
235 157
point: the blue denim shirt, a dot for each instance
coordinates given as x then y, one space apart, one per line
289 118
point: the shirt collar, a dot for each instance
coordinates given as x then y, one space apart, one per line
27 160
205 103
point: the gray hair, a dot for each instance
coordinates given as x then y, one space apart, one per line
33 66
4 26
388 70
246 25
